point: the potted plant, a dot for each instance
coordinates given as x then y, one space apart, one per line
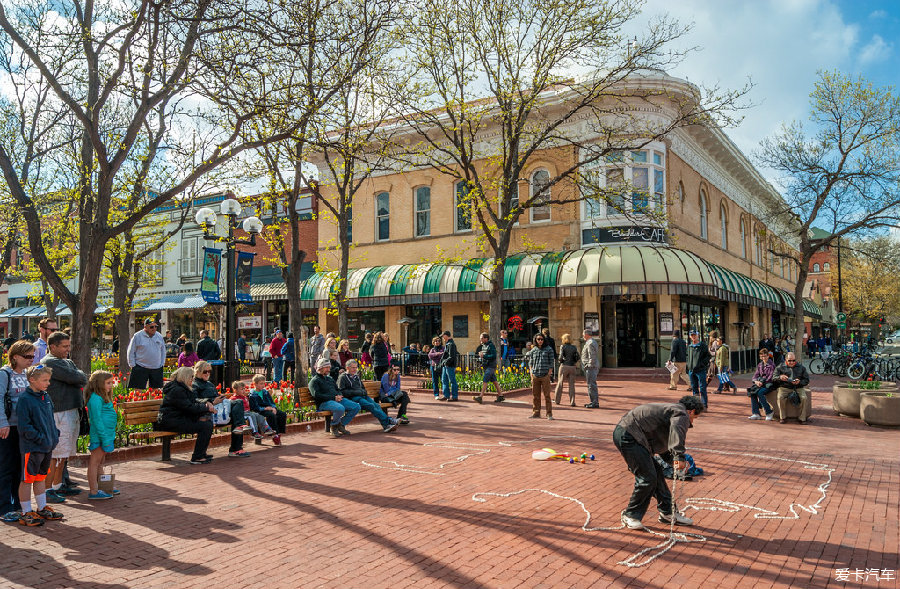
880 408
845 396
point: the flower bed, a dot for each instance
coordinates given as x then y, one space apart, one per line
471 380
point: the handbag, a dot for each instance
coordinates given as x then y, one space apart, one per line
794 398
222 416
752 390
84 425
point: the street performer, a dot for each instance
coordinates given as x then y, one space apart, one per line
655 428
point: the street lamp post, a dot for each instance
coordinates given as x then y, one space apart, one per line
206 218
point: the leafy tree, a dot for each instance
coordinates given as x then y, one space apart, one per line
869 278
842 174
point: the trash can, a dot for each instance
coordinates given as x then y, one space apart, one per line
218 373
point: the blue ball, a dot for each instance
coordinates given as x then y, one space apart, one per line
592 456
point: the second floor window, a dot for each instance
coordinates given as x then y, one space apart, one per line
704 233
759 258
724 218
540 191
423 211
189 263
816 268
382 216
463 207
743 240
349 224
827 267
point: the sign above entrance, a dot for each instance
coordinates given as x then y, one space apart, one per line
249 322
631 233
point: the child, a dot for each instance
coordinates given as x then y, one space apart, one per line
37 438
257 422
262 402
102 416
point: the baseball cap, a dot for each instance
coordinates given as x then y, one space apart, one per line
694 332
149 321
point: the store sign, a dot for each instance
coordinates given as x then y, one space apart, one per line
666 323
630 234
249 322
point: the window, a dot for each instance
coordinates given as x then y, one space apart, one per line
743 240
189 263
759 258
640 196
648 180
704 234
724 217
827 267
540 191
513 202
782 267
382 216
423 211
463 207
615 178
816 268
349 210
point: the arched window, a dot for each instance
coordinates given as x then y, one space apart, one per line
724 217
743 240
827 267
423 211
540 189
382 216
463 207
758 244
704 234
816 268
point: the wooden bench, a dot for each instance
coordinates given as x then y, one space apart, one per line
307 402
147 412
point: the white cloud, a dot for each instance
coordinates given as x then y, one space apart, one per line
878 14
876 50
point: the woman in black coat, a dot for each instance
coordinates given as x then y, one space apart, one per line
379 352
182 412
205 390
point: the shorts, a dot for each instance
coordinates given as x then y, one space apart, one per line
35 466
490 375
107 447
140 376
68 423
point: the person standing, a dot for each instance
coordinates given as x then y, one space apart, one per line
13 384
487 353
66 384
697 365
365 355
207 349
45 327
590 363
655 428
316 345
678 357
552 343
242 347
146 357
275 348
568 359
434 359
723 367
540 363
287 352
505 349
448 369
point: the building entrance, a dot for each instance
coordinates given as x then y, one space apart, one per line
636 337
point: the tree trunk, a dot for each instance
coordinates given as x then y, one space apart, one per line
343 304
799 327
495 303
83 315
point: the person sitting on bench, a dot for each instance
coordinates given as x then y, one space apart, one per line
182 412
350 385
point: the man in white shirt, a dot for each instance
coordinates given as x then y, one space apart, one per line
146 356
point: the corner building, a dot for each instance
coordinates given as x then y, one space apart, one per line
710 265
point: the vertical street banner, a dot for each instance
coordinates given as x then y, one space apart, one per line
243 277
212 266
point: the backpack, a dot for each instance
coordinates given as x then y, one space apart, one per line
7 400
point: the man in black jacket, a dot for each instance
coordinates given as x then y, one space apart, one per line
678 357
207 348
448 369
791 377
697 365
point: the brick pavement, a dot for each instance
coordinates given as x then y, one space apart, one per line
312 514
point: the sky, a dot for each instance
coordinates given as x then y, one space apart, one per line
781 45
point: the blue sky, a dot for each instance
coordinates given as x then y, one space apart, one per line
781 45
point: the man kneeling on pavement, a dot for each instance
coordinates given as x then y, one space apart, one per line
792 377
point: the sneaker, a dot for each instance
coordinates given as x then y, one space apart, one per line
573 405
55 497
257 436
770 416
239 454
208 456
680 520
437 397
241 429
99 495
335 432
453 400
269 432
68 491
116 492
404 420
276 439
781 421
11 517
201 460
390 427
631 523
343 429
31 519
550 418
535 416
499 399
477 399
754 417
592 406
48 513
443 398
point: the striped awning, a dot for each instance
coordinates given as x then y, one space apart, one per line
268 292
810 309
743 289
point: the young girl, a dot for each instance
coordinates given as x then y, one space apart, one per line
102 416
258 423
188 356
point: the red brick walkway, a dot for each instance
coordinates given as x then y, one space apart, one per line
780 506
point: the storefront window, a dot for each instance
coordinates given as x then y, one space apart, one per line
427 323
522 320
359 322
703 318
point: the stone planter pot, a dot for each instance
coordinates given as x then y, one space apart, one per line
879 409
845 400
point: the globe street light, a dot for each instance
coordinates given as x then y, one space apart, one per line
206 218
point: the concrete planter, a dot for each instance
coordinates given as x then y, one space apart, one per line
845 400
880 409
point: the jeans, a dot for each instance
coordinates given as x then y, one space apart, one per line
342 411
289 369
278 366
277 421
237 419
567 374
10 471
698 384
758 400
187 425
436 380
591 375
448 383
648 476
372 407
540 385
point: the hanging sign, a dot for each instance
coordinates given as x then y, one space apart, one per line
212 265
243 277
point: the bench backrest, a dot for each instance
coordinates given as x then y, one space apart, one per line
140 412
373 387
306 399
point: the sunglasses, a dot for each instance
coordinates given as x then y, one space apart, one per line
31 357
205 371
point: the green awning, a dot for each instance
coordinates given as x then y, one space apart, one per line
744 289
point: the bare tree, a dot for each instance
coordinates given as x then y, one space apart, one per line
842 177
502 83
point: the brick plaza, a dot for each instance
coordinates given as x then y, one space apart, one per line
780 506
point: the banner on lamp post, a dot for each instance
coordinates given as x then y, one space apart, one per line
243 277
212 266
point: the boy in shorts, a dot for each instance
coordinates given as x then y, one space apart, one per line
37 438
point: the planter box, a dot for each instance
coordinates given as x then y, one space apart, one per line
845 400
878 409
